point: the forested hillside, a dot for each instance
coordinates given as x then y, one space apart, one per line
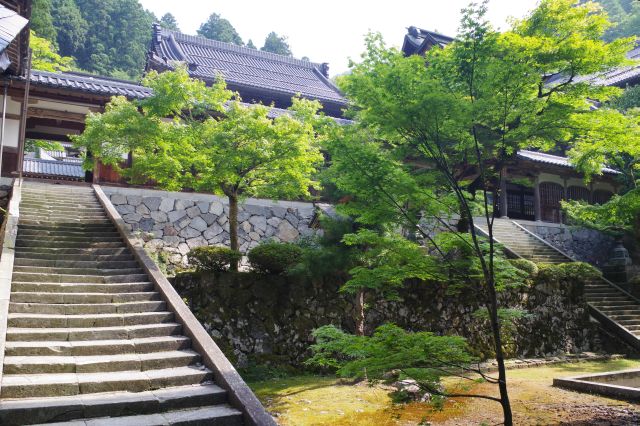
625 14
111 37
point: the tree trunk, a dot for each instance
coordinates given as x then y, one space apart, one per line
233 226
360 313
497 338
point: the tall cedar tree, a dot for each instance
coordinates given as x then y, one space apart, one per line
212 143
461 119
169 22
70 26
276 44
218 28
42 20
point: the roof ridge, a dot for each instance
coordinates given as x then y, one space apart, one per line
194 39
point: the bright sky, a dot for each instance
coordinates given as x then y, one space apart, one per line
332 30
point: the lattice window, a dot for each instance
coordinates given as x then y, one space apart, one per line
578 193
550 196
601 196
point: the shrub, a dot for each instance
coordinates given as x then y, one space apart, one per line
213 259
274 258
525 265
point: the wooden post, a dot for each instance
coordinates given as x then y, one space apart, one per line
25 112
536 199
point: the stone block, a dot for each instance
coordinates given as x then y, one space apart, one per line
203 206
125 209
143 210
292 218
134 200
212 231
254 236
117 199
198 223
159 216
279 211
193 212
132 217
146 224
189 232
256 210
216 208
245 226
274 221
209 218
171 240
166 205
259 223
170 231
153 203
154 244
176 215
287 232
196 242
183 248
243 216
222 220
183 204
182 223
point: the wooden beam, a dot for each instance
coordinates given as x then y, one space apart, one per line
56 115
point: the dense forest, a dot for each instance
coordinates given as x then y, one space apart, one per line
111 37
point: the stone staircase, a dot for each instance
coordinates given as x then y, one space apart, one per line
89 341
617 310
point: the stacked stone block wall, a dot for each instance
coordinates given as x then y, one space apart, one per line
172 223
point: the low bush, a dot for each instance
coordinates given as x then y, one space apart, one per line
274 258
525 265
213 259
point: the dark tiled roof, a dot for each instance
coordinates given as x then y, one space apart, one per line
88 83
11 23
418 41
265 76
556 160
620 76
38 167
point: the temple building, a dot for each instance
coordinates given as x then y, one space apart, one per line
537 182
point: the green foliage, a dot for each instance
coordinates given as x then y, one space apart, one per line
567 272
276 44
118 36
213 259
32 145
628 100
169 22
508 319
617 216
71 27
385 262
250 45
42 20
218 28
626 16
526 266
45 57
274 258
422 356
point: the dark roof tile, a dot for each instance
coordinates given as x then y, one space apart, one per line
89 84
38 167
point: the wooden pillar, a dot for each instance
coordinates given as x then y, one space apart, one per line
565 197
503 194
536 199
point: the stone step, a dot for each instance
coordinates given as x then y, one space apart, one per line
44 287
64 222
78 271
84 309
82 214
612 306
87 320
44 385
24 242
48 207
59 202
53 263
217 415
89 341
68 233
70 278
70 257
629 321
99 363
615 311
63 409
48 240
83 298
71 228
56 251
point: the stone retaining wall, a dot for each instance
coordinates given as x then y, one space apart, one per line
265 319
585 245
172 223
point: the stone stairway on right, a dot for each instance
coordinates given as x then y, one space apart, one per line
617 310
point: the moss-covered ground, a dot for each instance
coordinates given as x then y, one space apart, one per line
313 400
